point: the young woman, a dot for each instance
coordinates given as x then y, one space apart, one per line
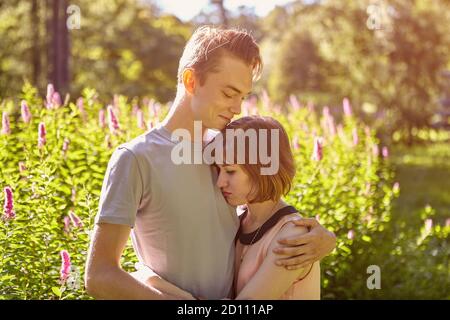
266 217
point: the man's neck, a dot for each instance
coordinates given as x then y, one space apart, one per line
180 116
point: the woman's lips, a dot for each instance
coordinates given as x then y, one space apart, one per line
226 194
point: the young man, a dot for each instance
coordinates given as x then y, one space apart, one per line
181 226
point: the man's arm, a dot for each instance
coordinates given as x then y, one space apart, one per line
304 249
150 278
104 277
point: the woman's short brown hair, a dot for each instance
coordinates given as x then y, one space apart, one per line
268 187
208 44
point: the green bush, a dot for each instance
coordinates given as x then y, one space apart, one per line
350 190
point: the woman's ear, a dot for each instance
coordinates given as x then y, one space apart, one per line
189 80
253 193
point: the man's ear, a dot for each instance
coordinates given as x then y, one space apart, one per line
189 80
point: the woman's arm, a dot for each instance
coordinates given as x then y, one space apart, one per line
301 249
271 281
150 278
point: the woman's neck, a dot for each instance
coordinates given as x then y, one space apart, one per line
260 212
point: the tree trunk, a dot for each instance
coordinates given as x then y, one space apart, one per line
36 54
64 48
58 55
222 11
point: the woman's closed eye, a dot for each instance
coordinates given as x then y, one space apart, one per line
226 170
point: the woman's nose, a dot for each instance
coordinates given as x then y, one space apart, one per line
221 180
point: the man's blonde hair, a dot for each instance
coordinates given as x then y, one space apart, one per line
208 44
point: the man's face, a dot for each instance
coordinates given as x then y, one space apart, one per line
219 99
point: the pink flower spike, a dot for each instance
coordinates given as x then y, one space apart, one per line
50 92
80 105
65 265
135 110
8 207
428 225
6 129
385 152
150 107
351 235
116 100
376 150
75 219
112 120
56 100
294 102
74 194
22 167
347 108
66 145
355 136
25 111
66 224
447 222
317 152
140 119
108 141
295 143
42 134
150 125
265 99
340 130
310 106
326 112
101 118
331 126
245 108
396 187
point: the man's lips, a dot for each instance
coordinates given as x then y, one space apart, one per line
227 119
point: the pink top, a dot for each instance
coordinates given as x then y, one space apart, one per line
306 287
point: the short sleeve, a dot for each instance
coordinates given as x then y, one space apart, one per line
121 190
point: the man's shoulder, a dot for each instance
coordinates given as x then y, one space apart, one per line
142 144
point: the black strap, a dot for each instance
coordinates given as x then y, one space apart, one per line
250 238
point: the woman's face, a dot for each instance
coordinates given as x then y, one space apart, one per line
234 184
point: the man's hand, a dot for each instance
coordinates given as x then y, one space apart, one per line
150 278
305 249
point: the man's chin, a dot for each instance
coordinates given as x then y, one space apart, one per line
217 126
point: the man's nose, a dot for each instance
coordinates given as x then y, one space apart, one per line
236 108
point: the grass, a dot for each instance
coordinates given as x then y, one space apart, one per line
423 172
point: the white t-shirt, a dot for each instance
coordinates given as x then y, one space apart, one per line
182 227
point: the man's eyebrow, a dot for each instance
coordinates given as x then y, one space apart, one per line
236 89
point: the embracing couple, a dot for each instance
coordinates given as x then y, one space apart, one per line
183 217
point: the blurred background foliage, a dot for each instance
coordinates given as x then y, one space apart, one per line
392 58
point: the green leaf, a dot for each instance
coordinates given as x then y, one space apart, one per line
57 291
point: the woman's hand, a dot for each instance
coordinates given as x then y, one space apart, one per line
305 249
